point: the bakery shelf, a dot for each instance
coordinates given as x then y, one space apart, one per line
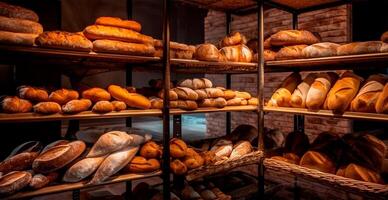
33 117
329 113
368 61
221 5
80 185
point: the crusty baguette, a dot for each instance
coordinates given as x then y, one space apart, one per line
109 142
82 169
318 90
342 93
207 52
17 12
281 97
298 97
384 37
293 37
14 181
185 93
359 48
133 100
269 55
117 22
96 94
323 49
112 46
32 93
76 106
15 105
196 83
64 40
290 52
47 108
20 25
235 38
217 103
173 45
62 96
103 107
382 101
18 162
99 32
25 39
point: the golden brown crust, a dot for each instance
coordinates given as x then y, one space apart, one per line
117 22
25 39
119 105
281 97
20 25
112 46
178 167
384 37
133 100
293 37
64 40
318 161
323 49
76 106
290 52
103 107
15 105
18 162
317 93
298 98
12 11
32 93
98 32
382 101
185 93
150 150
235 38
62 96
14 181
217 103
39 180
192 159
207 52
141 165
178 148
243 95
359 48
238 53
173 45
47 108
359 173
96 94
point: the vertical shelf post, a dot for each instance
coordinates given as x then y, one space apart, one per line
128 67
228 124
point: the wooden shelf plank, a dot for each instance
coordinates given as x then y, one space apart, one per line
80 185
33 117
329 113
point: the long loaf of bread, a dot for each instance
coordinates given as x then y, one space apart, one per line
17 12
64 40
133 100
20 25
25 39
298 97
293 37
112 46
281 97
117 22
318 90
382 101
99 32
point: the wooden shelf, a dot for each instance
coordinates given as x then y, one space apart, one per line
33 117
80 185
329 113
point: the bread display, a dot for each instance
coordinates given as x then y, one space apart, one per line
293 37
64 40
112 46
359 173
17 12
172 94
318 161
18 162
82 169
217 102
117 22
133 100
103 107
15 105
324 49
76 106
109 142
20 25
99 32
32 93
359 48
290 52
39 180
24 39
342 93
235 38
384 37
62 96
207 52
281 97
47 108
319 88
150 150
14 181
382 101
196 83
178 148
238 53
119 105
141 165
298 97
178 167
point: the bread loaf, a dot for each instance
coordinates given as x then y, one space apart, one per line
241 148
172 94
173 45
324 49
201 94
54 144
235 38
298 97
109 142
103 107
20 25
297 143
293 37
99 32
82 169
177 167
185 93
214 92
207 52
47 108
222 148
57 157
366 99
113 46
150 150
133 100
39 180
114 163
76 106
384 37
17 12
142 165
119 105
15 105
64 40
238 53
234 102
14 181
63 96
243 95
117 22
318 161
382 101
196 83
282 96
360 173
96 94
342 93
359 48
184 104
229 94
269 55
178 148
217 102
253 101
25 39
192 159
318 90
290 52
384 48
32 93
18 162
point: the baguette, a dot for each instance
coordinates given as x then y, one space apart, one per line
384 48
173 46
40 180
184 104
342 93
201 94
109 142
290 52
172 94
207 52
63 96
117 22
281 97
20 25
324 49
99 32
64 40
24 39
103 107
382 101
119 105
32 93
76 106
185 93
235 38
196 83
214 92
47 108
318 90
14 181
133 100
217 103
384 37
96 94
359 48
298 97
112 46
17 12
15 105
293 37
18 162
82 169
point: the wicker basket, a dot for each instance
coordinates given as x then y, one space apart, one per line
347 184
226 165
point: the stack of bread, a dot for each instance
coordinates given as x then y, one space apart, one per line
177 50
69 102
353 156
199 92
18 25
329 91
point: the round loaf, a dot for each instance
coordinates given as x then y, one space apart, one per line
15 105
207 52
233 39
119 105
62 96
14 181
318 161
103 107
76 106
384 37
47 108
96 94
324 49
177 167
20 25
178 148
17 12
239 53
142 165
150 150
32 93
117 22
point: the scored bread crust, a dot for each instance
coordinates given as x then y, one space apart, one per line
17 12
293 37
99 32
117 22
20 25
112 46
64 40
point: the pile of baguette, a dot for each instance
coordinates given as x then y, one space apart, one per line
31 166
328 90
357 156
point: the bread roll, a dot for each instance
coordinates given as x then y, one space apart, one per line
324 49
342 93
32 93
253 101
133 100
217 102
57 157
238 53
229 94
119 105
40 180
177 167
99 32
384 37
359 48
298 97
282 96
178 148
14 181
366 99
222 148
64 40
235 38
318 90
207 52
114 163
76 106
15 105
382 101
184 104
241 148
112 46
20 25
47 108
142 165
318 161
63 96
293 37
109 142
290 52
196 83
103 107
192 159
96 94
82 169
185 93
18 162
243 95
172 94
117 22
18 12
269 55
360 173
234 102
25 39
151 150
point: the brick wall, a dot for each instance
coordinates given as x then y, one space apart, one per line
331 24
